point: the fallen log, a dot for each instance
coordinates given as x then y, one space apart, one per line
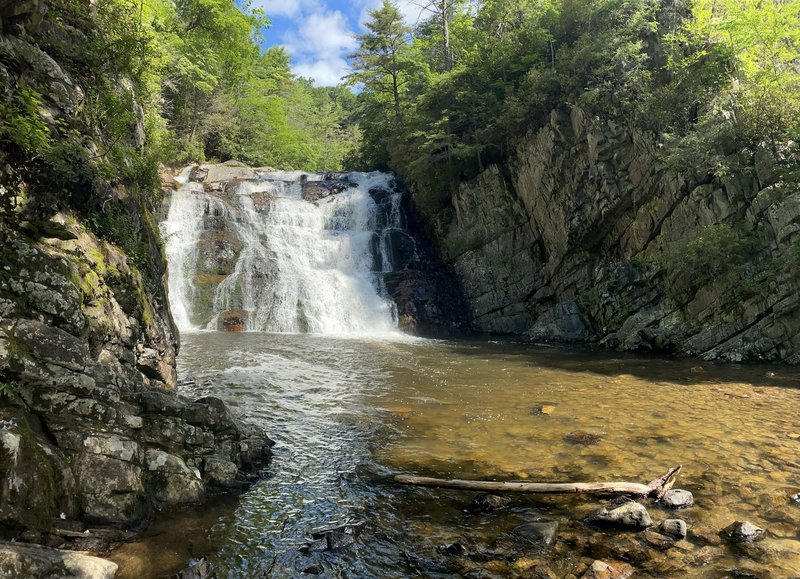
655 489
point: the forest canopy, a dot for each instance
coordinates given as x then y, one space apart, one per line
706 77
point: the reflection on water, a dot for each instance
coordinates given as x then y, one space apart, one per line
346 414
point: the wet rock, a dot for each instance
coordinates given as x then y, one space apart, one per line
737 573
453 549
174 483
541 533
221 473
674 527
603 570
339 537
678 499
705 537
233 321
24 560
659 541
795 499
546 408
487 503
632 515
584 438
742 532
200 569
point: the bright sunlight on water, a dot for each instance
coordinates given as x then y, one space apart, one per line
348 414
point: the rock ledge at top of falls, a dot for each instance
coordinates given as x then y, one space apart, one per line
91 428
582 236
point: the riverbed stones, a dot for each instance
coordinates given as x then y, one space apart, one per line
452 549
487 503
584 438
539 533
658 540
602 570
742 532
678 499
631 515
675 527
25 560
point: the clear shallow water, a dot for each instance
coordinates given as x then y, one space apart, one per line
346 414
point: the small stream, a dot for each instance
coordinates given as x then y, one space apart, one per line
347 413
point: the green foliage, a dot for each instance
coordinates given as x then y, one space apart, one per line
708 78
718 252
9 388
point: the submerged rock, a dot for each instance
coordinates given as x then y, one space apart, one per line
675 527
603 570
658 540
632 514
487 503
678 499
540 533
742 532
200 569
332 539
584 438
453 549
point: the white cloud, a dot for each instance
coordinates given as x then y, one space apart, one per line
324 72
288 8
319 46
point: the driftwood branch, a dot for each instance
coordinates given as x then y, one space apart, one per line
655 489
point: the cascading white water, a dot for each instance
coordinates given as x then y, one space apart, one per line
258 253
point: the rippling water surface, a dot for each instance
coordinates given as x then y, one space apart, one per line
346 414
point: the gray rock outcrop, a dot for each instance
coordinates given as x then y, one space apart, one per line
92 427
585 236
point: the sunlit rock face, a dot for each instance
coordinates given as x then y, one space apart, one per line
275 251
586 235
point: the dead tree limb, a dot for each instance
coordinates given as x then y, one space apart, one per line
655 489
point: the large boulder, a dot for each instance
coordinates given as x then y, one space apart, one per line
21 560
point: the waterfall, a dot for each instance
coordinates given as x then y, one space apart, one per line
285 252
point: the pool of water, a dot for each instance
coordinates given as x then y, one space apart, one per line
348 414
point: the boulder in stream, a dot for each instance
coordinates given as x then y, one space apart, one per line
674 527
631 515
742 532
678 499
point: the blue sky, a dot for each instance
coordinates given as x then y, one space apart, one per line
319 34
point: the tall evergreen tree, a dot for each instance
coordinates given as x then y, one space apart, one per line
381 64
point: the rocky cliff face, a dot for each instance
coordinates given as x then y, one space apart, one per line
587 236
91 429
91 426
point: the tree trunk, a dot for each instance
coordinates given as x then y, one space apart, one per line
448 56
655 489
